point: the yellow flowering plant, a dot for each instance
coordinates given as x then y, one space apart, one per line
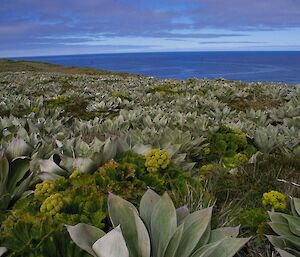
208 168
206 150
52 205
118 94
75 174
157 159
275 200
44 189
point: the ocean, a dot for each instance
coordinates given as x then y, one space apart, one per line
245 66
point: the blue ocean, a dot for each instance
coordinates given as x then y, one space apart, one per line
245 66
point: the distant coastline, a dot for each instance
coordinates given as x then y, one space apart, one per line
10 65
278 67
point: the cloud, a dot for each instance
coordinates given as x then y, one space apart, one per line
230 42
87 22
255 14
170 35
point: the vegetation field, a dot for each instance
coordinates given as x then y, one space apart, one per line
105 164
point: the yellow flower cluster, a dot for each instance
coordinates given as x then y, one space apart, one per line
206 150
275 200
44 189
118 94
75 174
162 93
35 109
241 158
208 168
52 205
157 159
240 134
60 97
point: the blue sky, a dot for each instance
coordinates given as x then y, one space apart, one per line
55 27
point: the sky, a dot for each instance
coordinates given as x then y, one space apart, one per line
61 27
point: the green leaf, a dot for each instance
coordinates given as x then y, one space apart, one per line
281 229
122 145
207 249
163 225
229 247
118 208
109 150
18 147
179 158
96 145
277 217
142 149
293 251
221 233
147 121
27 193
81 148
174 242
4 170
84 164
3 250
123 213
294 240
143 240
49 166
205 238
284 253
22 187
188 166
148 201
195 226
48 176
19 168
111 245
85 236
4 201
181 213
294 224
172 149
296 206
277 241
66 162
23 134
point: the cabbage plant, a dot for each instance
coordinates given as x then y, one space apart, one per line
3 250
157 229
15 178
287 243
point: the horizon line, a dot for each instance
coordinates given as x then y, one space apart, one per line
148 52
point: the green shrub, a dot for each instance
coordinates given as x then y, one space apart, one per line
82 199
253 221
228 145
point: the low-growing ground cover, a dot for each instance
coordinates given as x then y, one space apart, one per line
69 138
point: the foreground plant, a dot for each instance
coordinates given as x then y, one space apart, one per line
82 198
156 230
275 200
3 250
15 179
288 229
156 159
